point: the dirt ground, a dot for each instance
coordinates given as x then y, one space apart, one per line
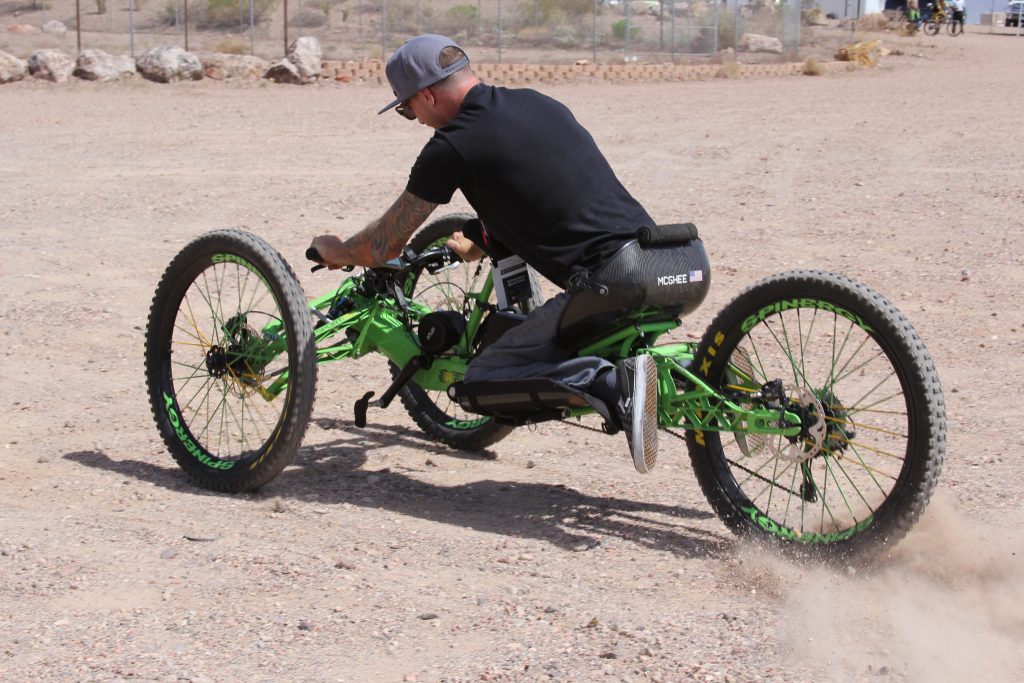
379 556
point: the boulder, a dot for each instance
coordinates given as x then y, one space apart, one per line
11 68
55 27
220 66
283 71
51 65
169 64
753 42
306 55
97 65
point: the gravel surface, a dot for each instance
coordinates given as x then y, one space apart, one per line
380 556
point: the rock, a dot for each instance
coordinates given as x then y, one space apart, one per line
306 55
169 64
283 71
11 68
51 65
753 42
97 65
55 27
219 66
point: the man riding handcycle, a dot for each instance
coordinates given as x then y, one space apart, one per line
544 195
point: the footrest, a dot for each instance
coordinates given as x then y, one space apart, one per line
519 401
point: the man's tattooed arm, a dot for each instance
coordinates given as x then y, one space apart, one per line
379 241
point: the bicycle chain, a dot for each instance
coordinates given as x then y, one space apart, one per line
580 425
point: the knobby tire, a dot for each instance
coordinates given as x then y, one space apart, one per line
860 371
228 319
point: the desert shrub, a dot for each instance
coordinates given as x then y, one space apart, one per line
534 35
730 70
308 17
224 13
458 19
873 22
101 6
726 29
551 12
232 45
400 15
812 68
565 36
619 30
168 16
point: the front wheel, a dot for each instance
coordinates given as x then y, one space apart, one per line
230 361
954 28
874 426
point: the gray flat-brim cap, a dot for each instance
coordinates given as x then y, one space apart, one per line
417 65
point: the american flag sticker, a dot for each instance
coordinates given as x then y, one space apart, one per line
696 276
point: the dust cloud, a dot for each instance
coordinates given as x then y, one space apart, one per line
947 605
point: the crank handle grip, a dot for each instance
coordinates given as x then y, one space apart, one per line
313 255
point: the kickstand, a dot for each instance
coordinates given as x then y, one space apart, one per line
410 369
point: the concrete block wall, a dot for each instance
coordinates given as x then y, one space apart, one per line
525 74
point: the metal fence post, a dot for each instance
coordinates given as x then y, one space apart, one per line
131 26
672 28
625 47
383 26
499 32
594 39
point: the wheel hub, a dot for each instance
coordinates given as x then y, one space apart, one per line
216 361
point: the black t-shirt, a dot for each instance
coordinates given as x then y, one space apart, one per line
534 176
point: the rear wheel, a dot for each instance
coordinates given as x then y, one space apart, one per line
432 410
873 441
230 361
932 27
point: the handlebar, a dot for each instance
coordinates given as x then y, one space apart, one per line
313 255
432 259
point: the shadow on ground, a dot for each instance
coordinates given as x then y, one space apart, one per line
556 513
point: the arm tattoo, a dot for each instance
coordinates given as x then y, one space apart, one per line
384 238
397 225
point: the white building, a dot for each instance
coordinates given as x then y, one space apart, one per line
851 9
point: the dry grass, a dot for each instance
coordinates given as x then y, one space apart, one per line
729 70
812 68
874 22
232 45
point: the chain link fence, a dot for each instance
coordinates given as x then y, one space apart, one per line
496 31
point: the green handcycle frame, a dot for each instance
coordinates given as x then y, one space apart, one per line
379 324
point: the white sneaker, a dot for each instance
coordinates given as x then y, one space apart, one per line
638 409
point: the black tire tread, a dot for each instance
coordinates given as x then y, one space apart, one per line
293 302
923 378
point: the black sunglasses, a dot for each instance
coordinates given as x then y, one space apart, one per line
403 109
